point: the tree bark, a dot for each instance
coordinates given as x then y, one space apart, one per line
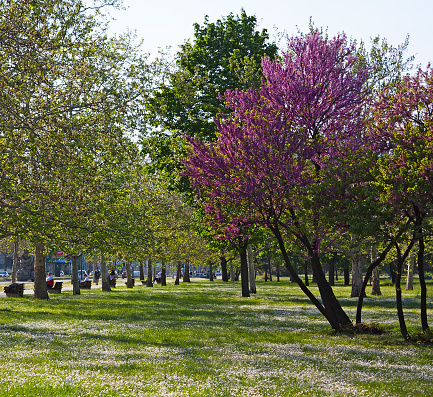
40 286
375 277
74 275
424 322
409 274
232 273
210 271
104 275
224 275
326 313
186 278
129 283
244 270
178 273
149 282
400 260
251 269
346 276
141 270
331 272
307 283
15 261
357 266
163 274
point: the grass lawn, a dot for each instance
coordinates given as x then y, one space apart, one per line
203 339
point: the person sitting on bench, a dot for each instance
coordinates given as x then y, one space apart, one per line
50 280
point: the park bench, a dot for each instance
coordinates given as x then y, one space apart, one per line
86 284
14 290
112 282
56 289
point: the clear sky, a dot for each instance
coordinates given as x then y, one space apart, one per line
162 23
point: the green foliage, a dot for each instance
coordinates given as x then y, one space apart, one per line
223 55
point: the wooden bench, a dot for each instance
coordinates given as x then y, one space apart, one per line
86 284
14 290
112 282
56 289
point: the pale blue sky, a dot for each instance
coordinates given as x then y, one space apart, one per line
169 23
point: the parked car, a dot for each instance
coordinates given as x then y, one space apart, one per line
136 274
4 273
200 275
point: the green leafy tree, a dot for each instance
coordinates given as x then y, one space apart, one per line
223 55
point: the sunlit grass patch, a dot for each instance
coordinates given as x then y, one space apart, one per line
203 339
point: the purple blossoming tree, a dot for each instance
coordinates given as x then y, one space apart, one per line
272 150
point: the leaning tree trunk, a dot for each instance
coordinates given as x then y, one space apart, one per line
15 261
224 275
244 271
129 283
330 302
104 275
40 286
74 276
251 269
409 274
375 276
149 282
186 278
178 273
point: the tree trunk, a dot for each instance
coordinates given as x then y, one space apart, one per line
357 266
141 270
40 286
400 261
232 273
244 270
178 273
278 272
424 322
306 273
326 313
375 277
210 271
392 272
163 274
149 282
346 276
333 307
15 261
104 275
186 278
74 275
129 283
270 267
331 273
266 266
224 275
251 269
409 275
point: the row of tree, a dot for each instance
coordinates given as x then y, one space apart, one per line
230 146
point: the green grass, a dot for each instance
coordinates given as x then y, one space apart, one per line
203 339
